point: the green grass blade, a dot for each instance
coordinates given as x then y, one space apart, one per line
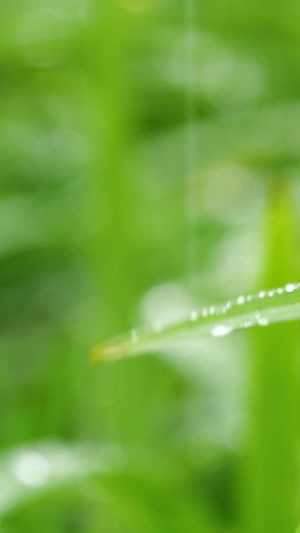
264 308
273 446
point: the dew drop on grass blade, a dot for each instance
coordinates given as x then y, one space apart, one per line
261 309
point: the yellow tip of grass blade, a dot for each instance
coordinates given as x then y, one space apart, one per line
110 351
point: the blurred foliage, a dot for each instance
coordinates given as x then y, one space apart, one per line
96 218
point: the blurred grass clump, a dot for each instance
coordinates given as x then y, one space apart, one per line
149 164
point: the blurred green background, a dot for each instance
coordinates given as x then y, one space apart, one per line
149 164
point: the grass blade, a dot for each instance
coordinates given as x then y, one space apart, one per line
264 308
273 441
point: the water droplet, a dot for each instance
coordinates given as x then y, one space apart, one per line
263 322
221 330
290 287
212 310
262 294
271 294
205 312
249 298
194 316
280 290
241 300
249 324
229 305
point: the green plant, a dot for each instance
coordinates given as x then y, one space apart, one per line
261 309
149 166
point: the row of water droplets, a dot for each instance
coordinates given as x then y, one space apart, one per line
223 311
259 309
256 319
